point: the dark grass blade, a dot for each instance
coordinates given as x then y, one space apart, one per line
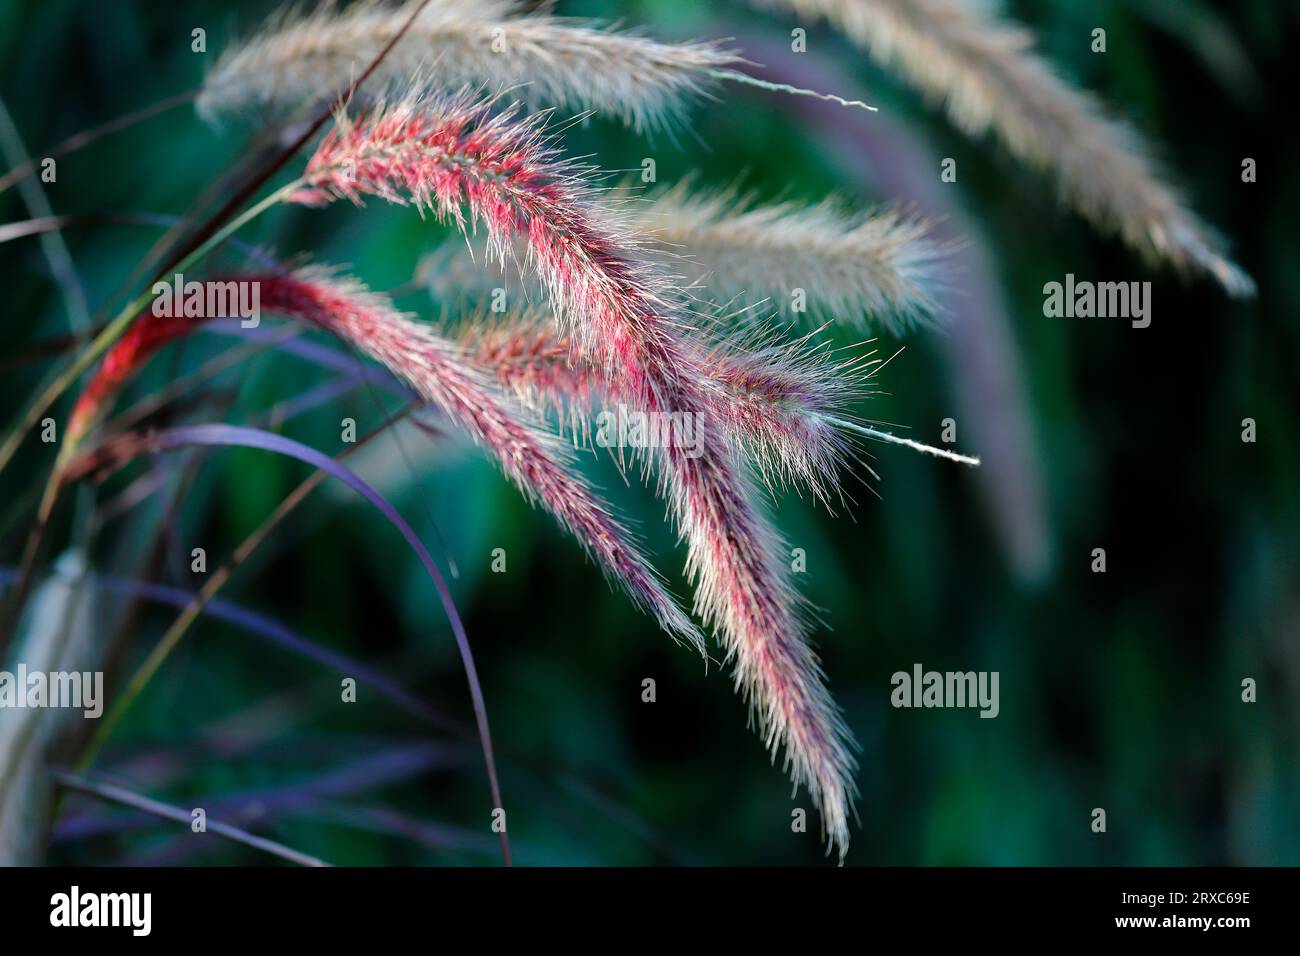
129 798
372 772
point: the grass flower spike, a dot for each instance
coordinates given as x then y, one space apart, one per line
442 374
660 271
983 70
780 401
849 266
547 61
475 167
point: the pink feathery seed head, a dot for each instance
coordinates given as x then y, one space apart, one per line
529 359
451 156
467 164
779 402
786 404
443 374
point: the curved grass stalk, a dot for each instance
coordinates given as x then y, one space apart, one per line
231 435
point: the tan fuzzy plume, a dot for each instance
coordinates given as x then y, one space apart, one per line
544 61
850 266
983 69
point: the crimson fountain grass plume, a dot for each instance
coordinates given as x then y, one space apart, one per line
440 373
472 166
783 402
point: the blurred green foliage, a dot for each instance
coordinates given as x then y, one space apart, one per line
1119 691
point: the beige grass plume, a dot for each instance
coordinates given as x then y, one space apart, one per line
546 61
988 77
850 266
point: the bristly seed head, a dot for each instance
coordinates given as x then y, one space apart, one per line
779 402
564 63
443 374
452 156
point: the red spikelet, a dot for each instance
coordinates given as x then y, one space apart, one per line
781 402
442 374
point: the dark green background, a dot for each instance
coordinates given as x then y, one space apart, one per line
1119 690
